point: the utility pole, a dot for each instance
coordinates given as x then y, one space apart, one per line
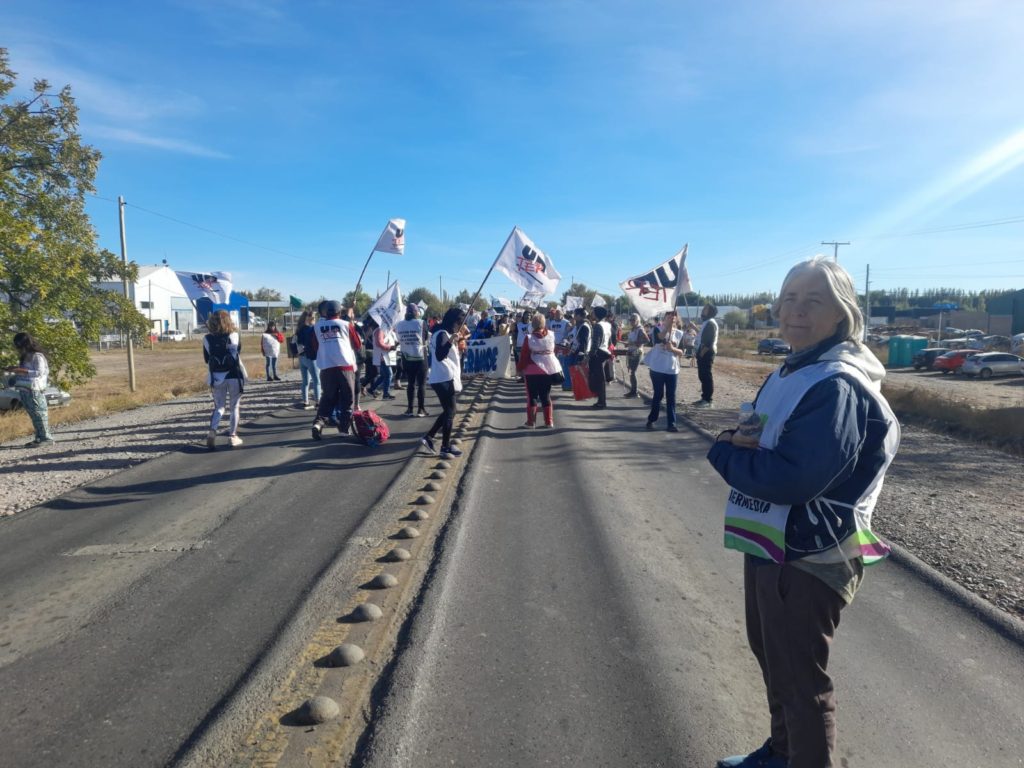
151 313
440 288
867 301
124 260
835 249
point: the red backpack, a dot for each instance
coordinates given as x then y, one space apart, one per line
370 428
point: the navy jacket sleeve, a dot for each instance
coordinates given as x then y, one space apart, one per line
817 450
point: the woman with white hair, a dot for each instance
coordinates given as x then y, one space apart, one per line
538 364
805 470
635 341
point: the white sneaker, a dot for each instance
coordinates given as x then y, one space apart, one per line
235 441
211 439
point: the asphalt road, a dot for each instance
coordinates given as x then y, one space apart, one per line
132 607
584 613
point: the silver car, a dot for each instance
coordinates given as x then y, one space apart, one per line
989 364
10 400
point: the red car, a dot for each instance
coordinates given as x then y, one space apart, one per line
951 361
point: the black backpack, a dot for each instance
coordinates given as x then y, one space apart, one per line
222 359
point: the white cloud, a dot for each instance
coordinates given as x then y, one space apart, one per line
129 136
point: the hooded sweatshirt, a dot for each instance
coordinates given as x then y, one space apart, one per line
824 458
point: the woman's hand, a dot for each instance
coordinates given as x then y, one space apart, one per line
745 441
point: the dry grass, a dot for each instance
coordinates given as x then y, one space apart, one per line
169 370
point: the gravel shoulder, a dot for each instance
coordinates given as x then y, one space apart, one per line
951 503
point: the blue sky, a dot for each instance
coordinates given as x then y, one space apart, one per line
611 132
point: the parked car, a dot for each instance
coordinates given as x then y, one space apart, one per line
952 360
173 335
989 364
773 347
924 358
10 400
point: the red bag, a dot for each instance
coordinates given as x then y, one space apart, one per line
370 428
580 387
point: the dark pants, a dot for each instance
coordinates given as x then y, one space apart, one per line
791 619
664 386
596 380
415 377
336 390
538 389
445 392
632 363
707 381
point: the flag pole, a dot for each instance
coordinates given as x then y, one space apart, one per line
359 282
500 251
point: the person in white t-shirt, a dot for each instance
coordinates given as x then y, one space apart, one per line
663 362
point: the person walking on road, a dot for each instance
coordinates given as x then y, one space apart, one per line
338 343
599 355
445 378
538 364
270 344
305 339
635 341
663 362
805 469
412 336
222 350
31 378
384 357
707 348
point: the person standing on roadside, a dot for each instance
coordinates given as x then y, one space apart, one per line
270 344
412 336
635 341
805 470
338 343
305 339
31 378
663 363
707 348
222 350
690 341
445 378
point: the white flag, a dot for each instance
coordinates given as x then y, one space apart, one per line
215 286
573 302
387 310
526 266
392 239
598 301
657 291
532 299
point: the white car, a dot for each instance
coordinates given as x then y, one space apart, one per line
989 364
10 399
173 335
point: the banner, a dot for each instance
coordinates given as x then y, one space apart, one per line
387 310
657 291
598 301
527 266
215 286
532 299
392 239
488 357
573 302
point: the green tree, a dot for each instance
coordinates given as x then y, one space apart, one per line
50 266
465 296
263 294
434 304
360 301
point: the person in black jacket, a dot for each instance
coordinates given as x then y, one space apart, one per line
599 355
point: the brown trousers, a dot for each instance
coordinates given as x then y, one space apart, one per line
791 619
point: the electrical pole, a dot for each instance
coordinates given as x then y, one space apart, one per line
124 280
867 301
835 249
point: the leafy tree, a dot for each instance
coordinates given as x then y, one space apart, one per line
359 301
464 297
50 265
263 294
434 305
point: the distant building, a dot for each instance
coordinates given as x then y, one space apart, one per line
158 295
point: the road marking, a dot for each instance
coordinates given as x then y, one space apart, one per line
93 550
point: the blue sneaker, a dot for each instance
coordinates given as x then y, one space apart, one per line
428 444
763 757
451 450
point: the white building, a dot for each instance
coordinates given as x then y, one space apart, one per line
158 295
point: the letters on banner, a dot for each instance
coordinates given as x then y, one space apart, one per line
488 357
658 290
215 286
526 265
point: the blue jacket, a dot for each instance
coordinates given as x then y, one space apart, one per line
832 443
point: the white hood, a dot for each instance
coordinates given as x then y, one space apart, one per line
861 358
